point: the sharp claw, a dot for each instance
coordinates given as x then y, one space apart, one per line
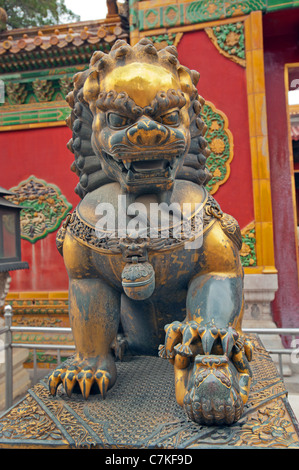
103 380
54 381
68 380
85 379
228 339
53 384
208 339
82 374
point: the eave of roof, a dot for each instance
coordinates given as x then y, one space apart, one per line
71 44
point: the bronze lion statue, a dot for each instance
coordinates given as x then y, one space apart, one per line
138 142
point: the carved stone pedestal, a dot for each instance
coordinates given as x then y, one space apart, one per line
140 412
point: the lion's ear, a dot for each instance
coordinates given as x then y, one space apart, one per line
91 87
185 80
195 77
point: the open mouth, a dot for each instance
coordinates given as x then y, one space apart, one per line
135 169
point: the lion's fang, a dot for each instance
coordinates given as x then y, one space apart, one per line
127 164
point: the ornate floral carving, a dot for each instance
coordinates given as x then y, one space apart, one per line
132 271
220 142
16 92
247 252
43 89
32 422
229 40
168 39
44 207
32 311
271 427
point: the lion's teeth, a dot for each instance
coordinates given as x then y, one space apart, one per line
127 164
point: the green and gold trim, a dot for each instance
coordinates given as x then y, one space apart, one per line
43 207
248 250
220 141
148 15
229 41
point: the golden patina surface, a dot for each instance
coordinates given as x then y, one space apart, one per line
141 81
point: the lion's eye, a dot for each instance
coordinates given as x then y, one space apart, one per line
117 120
171 119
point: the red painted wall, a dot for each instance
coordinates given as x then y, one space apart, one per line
281 33
42 153
223 82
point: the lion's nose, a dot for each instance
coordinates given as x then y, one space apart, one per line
147 132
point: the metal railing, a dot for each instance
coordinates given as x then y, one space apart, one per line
8 330
8 345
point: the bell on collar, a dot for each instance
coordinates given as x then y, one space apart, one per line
138 279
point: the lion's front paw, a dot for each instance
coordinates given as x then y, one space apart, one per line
82 374
188 339
213 395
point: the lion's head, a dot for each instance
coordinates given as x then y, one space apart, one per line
145 113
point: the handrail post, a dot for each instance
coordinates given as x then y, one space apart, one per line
34 366
8 357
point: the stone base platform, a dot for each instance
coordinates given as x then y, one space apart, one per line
140 412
